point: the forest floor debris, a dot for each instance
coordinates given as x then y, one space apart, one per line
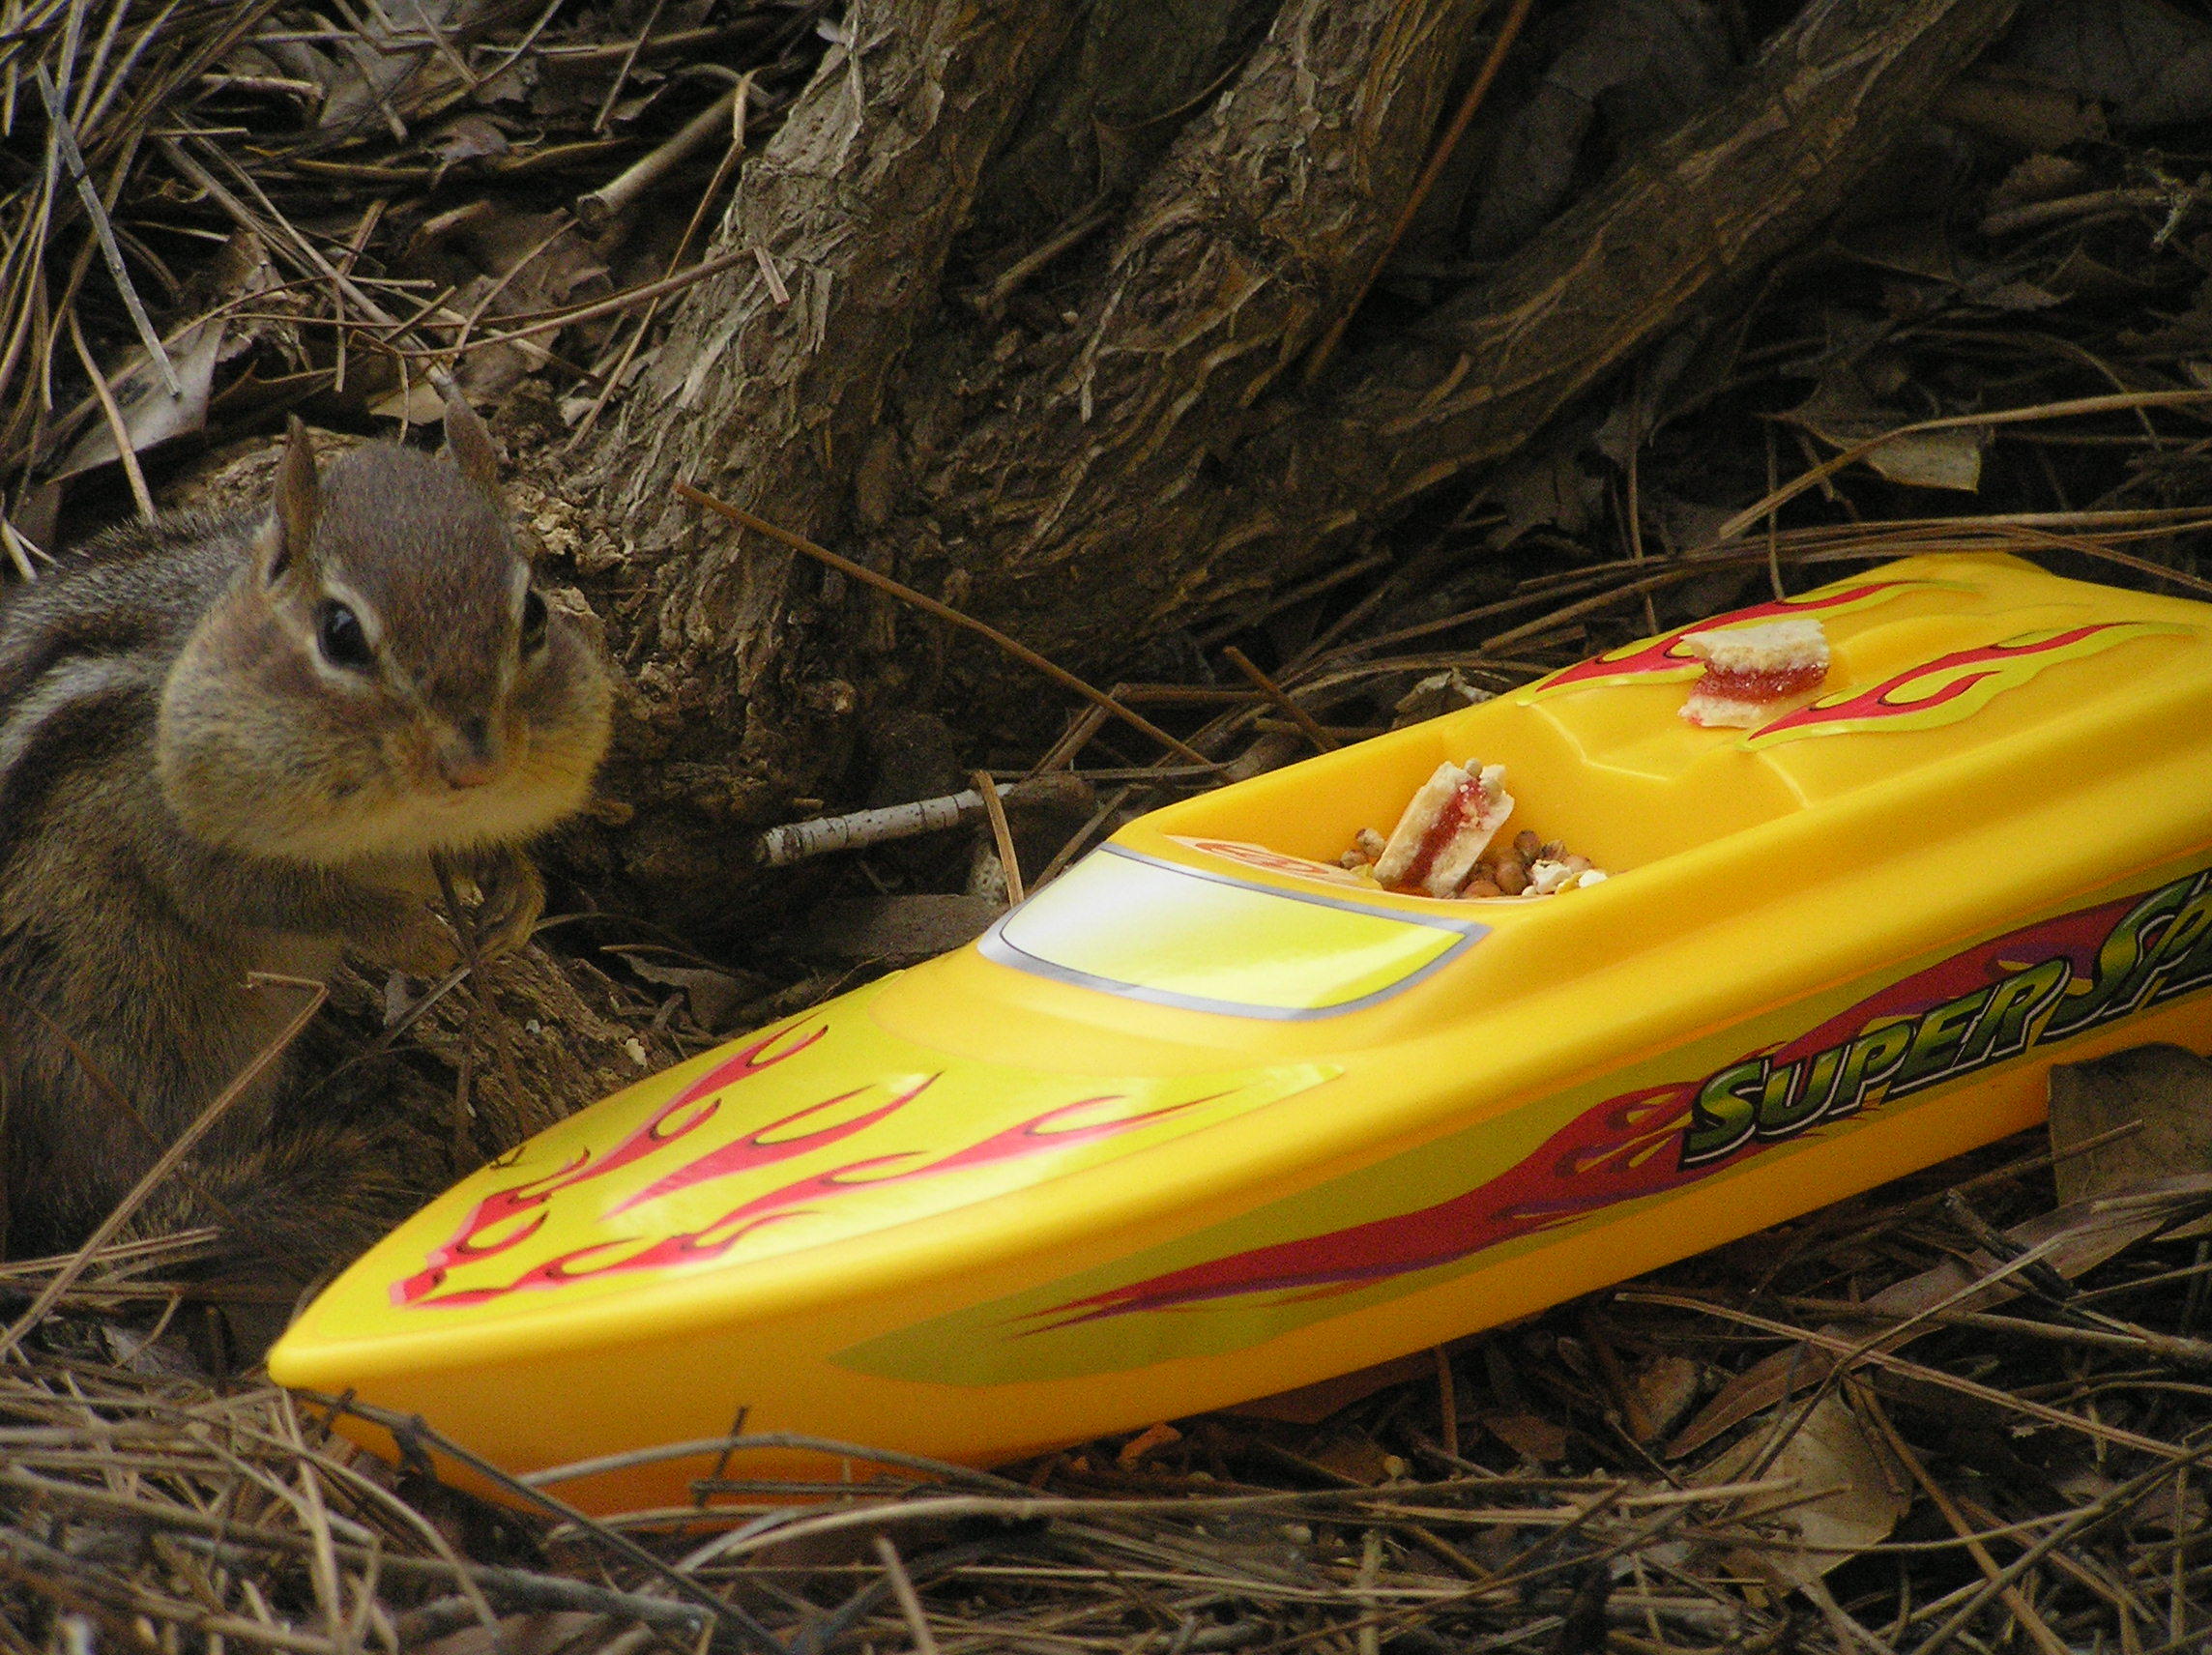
1968 1410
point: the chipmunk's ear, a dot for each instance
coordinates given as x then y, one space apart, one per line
290 530
469 445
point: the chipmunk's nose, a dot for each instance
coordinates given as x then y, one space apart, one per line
469 755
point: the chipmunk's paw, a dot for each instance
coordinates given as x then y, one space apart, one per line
513 896
422 945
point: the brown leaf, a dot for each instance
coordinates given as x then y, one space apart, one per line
1833 1455
1843 412
2152 62
2080 1235
1666 1391
2163 1092
1529 1434
1358 1459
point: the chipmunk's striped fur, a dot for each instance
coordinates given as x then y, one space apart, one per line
231 745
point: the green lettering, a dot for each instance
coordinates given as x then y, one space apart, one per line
1867 1064
1793 1098
2003 1030
1936 1042
2122 964
1725 1114
2185 952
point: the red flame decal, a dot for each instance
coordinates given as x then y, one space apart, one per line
1666 654
467 1243
1892 700
796 1200
1617 1151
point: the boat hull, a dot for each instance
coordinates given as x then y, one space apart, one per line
997 1204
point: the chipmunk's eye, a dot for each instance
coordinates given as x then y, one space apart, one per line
533 623
340 635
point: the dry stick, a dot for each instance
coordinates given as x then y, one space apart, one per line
554 320
857 829
475 313
2163 1347
1819 474
943 612
608 383
1437 161
1274 692
1001 833
64 1278
65 146
599 205
629 62
414 1431
909 1602
116 428
1860 1353
2120 1499
529 40
355 244
2111 554
1081 837
2022 1611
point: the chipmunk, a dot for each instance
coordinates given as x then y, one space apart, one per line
232 745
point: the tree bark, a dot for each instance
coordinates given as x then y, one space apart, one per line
1738 186
1136 453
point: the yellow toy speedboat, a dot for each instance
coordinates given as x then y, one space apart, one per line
1212 1116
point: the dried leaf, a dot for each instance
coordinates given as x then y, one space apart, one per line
2163 1092
1630 67
1830 1454
150 413
1667 1390
1358 1459
466 138
1529 1434
2150 62
713 995
2072 1240
1843 412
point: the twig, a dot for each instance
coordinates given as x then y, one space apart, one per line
629 62
64 145
613 379
943 612
1273 691
2022 1609
594 209
910 1605
1507 32
1819 474
167 1162
1866 1352
857 829
1001 834
407 1429
117 431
